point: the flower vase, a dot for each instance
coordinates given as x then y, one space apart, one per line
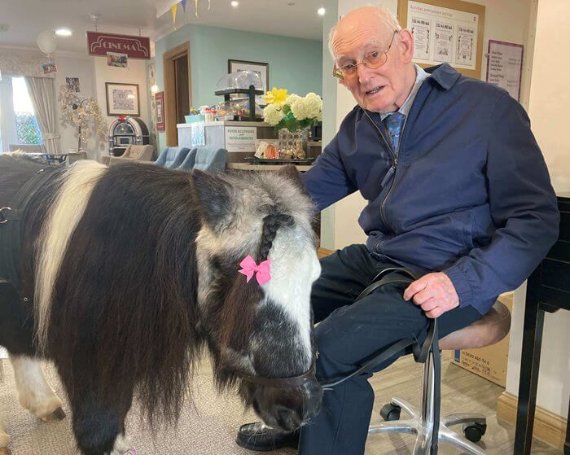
293 144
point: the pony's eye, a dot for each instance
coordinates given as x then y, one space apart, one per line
216 263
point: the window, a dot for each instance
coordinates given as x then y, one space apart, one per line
18 123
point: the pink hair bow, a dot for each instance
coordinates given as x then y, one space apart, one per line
261 270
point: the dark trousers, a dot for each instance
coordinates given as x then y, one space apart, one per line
349 333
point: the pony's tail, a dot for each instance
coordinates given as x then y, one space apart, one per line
123 322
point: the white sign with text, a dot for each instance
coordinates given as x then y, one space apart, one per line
240 138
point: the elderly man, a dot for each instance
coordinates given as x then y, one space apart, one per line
457 192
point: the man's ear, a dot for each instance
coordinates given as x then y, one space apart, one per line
406 45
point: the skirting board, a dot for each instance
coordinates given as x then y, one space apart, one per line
548 427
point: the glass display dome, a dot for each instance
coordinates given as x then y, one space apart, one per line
247 83
240 80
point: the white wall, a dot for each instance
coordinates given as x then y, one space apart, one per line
134 74
93 72
329 92
548 105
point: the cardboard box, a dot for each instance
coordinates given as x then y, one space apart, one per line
489 362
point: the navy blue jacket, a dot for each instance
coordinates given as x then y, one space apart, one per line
468 194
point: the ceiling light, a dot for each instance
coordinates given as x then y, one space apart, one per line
63 32
234 3
321 11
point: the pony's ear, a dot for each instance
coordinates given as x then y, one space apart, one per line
214 196
289 171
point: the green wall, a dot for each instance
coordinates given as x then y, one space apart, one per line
294 64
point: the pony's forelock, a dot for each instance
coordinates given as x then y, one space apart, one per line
67 210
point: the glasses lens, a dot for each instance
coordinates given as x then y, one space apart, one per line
375 59
337 73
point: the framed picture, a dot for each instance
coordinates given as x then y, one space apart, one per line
262 69
159 110
122 99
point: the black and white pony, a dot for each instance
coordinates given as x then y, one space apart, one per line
121 275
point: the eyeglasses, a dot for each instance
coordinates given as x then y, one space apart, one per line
372 60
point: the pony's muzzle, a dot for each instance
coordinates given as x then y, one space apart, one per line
288 408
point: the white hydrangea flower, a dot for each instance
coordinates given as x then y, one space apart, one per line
292 99
314 106
300 109
272 114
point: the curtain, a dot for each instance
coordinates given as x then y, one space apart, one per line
42 94
21 62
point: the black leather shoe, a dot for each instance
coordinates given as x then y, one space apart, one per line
260 438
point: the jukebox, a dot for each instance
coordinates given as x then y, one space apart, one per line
126 131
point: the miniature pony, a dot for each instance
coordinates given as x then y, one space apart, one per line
122 275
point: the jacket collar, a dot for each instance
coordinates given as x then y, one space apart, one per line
444 75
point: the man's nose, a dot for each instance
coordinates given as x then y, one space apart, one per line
363 72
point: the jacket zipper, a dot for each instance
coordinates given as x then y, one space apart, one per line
391 172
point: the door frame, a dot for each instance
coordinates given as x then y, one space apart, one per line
170 90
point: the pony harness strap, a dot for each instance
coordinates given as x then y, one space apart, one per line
13 202
392 275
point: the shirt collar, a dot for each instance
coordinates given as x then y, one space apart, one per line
421 76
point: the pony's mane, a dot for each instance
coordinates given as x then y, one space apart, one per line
278 191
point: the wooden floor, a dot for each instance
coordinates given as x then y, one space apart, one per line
462 391
221 416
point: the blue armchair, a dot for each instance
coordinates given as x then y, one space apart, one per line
189 161
210 158
172 157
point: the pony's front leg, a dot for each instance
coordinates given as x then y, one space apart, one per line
99 428
34 393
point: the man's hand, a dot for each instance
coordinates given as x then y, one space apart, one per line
434 292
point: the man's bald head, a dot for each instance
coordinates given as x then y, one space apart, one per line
357 20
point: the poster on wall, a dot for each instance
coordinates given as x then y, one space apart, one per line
73 84
159 111
117 60
152 90
49 68
444 35
445 32
504 67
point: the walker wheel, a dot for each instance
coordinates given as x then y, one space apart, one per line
390 412
474 431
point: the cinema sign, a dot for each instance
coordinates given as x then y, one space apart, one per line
133 46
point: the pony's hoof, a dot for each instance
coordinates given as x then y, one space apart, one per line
5 451
58 414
